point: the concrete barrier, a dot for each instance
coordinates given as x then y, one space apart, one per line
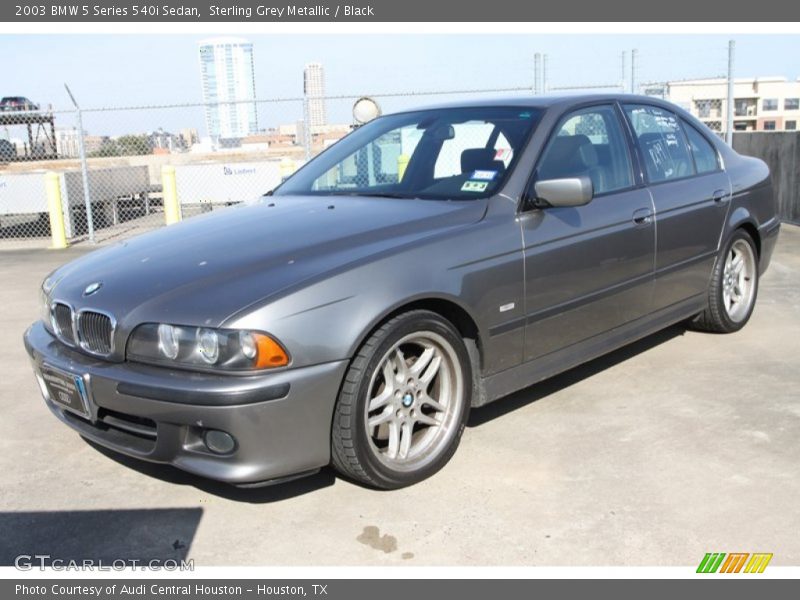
781 151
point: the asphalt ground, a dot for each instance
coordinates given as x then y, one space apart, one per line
681 444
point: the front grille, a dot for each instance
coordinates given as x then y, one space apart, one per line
95 331
62 317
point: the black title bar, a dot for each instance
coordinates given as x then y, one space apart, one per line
462 11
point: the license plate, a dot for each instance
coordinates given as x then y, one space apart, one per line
66 390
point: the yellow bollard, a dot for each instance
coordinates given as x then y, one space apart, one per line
56 210
287 166
172 210
402 163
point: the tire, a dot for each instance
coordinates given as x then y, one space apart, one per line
725 314
404 402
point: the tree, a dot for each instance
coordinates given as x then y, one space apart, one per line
125 145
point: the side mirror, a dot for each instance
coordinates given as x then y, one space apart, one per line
570 191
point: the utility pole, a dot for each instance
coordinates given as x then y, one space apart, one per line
729 108
623 72
544 73
537 66
634 52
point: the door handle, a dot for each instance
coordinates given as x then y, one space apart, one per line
643 216
719 196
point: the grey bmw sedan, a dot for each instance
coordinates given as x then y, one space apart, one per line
431 261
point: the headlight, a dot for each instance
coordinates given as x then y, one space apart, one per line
44 307
204 347
44 298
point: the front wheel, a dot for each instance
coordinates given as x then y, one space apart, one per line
733 287
404 402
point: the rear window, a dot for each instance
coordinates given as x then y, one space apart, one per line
705 156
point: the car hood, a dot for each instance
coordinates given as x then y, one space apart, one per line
205 269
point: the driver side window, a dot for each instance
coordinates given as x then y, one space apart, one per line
590 143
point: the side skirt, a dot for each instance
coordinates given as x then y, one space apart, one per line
516 378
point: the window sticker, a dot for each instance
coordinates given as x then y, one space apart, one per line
474 186
484 175
503 154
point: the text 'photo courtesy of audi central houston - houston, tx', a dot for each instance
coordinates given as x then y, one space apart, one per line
353 316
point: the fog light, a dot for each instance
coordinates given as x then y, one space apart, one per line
219 442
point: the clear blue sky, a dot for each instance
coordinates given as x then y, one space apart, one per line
125 70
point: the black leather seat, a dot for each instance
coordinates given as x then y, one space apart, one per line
574 156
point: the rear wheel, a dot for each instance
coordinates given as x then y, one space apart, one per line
733 287
404 402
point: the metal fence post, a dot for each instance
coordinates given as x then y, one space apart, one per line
84 169
729 108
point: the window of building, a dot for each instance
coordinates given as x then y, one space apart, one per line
662 142
705 157
769 125
790 125
770 104
791 104
704 108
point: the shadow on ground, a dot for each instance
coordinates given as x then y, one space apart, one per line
326 477
261 495
101 535
568 378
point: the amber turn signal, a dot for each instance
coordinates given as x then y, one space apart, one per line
270 353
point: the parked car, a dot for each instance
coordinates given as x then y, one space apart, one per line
431 261
15 103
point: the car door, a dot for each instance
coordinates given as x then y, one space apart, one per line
588 269
691 194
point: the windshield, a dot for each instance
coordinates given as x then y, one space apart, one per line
448 154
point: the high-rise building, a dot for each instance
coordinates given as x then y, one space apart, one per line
226 72
314 89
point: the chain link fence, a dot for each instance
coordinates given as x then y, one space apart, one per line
112 165
104 172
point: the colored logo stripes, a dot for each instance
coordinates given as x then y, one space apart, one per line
734 562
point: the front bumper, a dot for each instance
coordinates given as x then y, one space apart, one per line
280 421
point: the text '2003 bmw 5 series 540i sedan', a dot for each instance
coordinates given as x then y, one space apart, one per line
431 261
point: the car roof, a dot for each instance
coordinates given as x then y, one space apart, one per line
547 101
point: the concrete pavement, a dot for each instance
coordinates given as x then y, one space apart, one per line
681 444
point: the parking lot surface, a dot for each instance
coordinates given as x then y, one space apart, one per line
681 444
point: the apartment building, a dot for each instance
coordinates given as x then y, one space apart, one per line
760 104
